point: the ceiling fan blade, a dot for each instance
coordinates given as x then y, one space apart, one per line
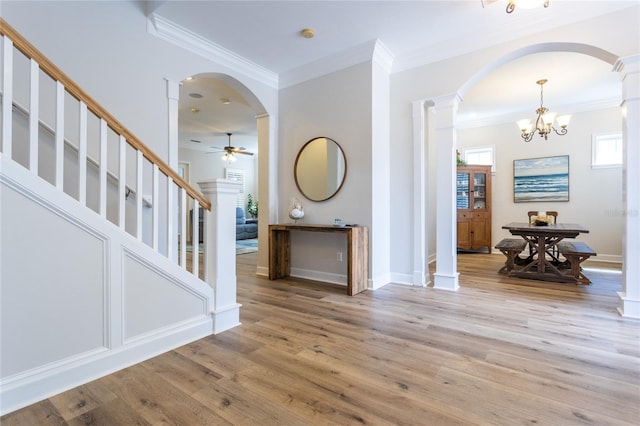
243 152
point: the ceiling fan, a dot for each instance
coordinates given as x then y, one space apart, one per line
230 151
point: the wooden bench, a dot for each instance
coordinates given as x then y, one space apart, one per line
576 252
510 247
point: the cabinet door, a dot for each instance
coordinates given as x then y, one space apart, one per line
463 230
480 231
462 191
479 190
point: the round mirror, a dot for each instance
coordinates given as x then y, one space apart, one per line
320 169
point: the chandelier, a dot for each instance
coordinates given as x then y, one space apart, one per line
526 4
544 121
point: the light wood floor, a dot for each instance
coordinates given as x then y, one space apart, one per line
499 351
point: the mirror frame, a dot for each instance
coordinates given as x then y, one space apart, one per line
295 169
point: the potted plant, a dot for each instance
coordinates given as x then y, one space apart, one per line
252 206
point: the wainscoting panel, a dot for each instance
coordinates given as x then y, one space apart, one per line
58 268
80 297
153 300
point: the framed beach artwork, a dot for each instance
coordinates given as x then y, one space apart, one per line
541 179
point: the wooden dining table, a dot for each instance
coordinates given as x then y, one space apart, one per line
542 263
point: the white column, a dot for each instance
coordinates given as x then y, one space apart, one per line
220 250
267 188
173 96
380 177
629 68
446 275
420 235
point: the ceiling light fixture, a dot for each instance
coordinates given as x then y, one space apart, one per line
526 4
308 33
229 157
225 101
544 121
195 110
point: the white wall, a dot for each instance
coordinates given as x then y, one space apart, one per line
595 195
337 106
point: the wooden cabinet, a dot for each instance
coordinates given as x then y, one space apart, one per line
473 202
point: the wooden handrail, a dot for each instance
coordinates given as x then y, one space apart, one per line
54 72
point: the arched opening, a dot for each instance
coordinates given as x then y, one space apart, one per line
213 112
595 54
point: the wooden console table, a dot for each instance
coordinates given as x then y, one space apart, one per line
357 252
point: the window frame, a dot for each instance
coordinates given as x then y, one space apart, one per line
596 139
488 148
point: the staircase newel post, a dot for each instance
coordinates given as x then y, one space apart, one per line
220 250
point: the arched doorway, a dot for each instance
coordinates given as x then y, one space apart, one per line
443 127
203 109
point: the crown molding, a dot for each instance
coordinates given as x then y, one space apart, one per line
341 60
169 31
627 64
466 121
383 56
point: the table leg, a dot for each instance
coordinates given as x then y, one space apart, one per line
279 254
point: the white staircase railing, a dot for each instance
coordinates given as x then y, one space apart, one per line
95 273
82 150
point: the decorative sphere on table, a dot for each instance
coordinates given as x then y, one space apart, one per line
296 212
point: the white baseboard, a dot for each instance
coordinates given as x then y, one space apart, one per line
226 318
379 282
326 277
262 271
628 307
30 387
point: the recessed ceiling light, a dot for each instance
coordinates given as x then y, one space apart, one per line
308 33
189 78
195 110
195 95
225 101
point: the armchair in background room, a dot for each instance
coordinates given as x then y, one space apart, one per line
245 228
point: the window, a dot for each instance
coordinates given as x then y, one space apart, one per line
606 150
481 155
237 174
